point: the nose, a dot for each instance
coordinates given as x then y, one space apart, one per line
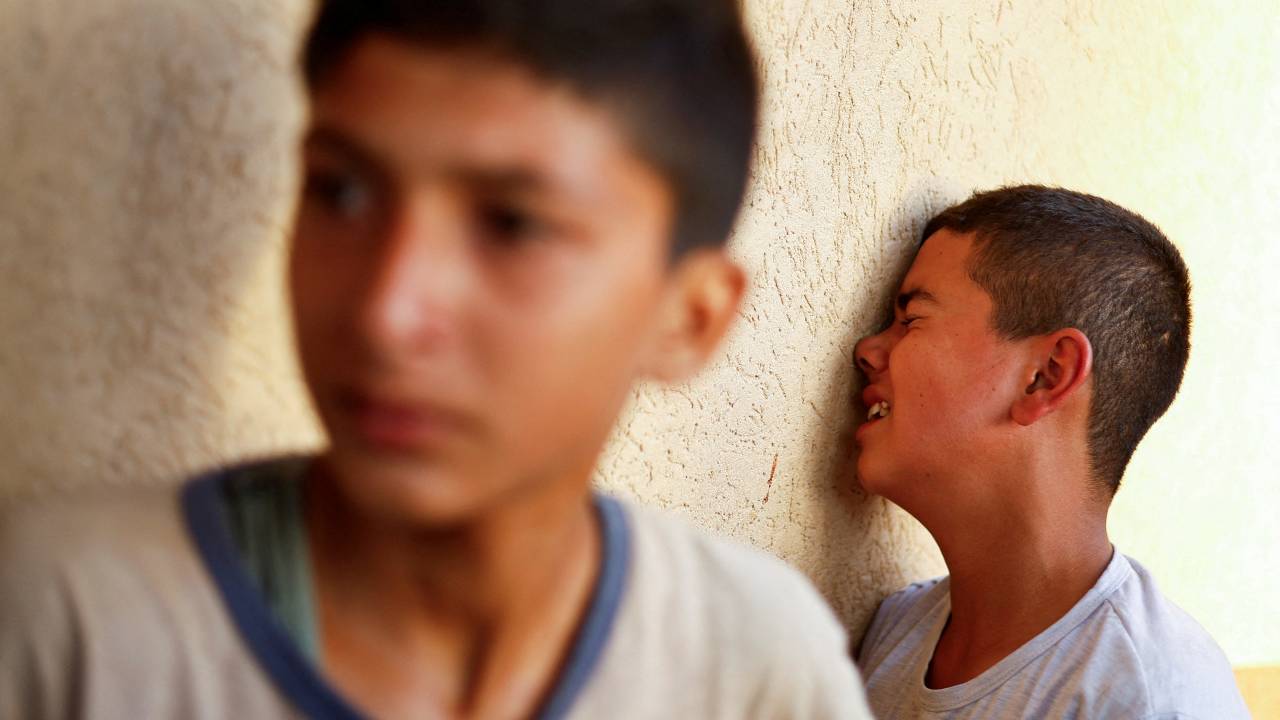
871 354
418 283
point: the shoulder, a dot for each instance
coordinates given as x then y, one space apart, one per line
66 537
85 582
740 615
899 614
738 581
1182 669
913 596
67 562
79 580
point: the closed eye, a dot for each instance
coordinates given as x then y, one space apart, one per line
908 320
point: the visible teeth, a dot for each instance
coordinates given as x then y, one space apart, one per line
879 410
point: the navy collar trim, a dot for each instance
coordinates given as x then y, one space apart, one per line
298 678
593 633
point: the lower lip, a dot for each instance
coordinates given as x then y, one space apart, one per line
862 429
396 427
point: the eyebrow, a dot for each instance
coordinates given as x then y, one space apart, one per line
504 180
490 179
330 140
907 297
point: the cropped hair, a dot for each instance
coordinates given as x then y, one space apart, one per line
1053 259
677 75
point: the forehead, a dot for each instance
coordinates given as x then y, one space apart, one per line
940 262
940 268
422 110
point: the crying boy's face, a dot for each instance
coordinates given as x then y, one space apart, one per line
940 381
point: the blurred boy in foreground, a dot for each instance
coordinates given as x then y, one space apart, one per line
1036 338
511 212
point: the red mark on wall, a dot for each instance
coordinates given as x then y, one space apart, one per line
772 471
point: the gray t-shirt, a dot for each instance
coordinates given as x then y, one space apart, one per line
138 605
1124 651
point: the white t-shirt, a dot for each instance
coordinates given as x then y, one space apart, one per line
1123 651
137 605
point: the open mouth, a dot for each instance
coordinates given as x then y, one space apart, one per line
878 411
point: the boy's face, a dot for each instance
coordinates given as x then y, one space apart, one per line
949 380
477 270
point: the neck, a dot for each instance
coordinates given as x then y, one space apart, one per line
1033 568
1018 562
487 603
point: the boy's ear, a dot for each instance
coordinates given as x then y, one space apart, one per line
1062 363
701 302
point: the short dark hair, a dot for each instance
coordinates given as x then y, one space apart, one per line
1052 259
679 75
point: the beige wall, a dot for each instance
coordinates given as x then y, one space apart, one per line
144 183
145 171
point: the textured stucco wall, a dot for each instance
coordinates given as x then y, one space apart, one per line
144 184
145 174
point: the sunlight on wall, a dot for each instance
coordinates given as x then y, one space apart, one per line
877 116
145 177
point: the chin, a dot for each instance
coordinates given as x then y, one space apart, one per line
869 476
884 480
404 491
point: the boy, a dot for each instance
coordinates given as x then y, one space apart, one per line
511 211
1037 336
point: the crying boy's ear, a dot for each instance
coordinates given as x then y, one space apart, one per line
1061 364
701 302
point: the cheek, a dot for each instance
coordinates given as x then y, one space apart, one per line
924 379
936 394
319 274
588 306
312 318
565 363
324 294
306 300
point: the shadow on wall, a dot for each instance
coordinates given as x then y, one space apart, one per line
876 535
145 174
